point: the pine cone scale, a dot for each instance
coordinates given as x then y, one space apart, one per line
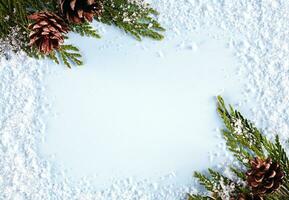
46 31
246 197
265 176
79 11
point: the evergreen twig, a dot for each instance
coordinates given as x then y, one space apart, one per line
85 29
132 17
245 141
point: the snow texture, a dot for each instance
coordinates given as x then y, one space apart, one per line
257 31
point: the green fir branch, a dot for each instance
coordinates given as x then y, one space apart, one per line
69 55
217 178
12 14
245 141
200 197
233 145
135 19
250 143
277 153
239 173
85 29
205 181
280 194
242 137
215 183
53 57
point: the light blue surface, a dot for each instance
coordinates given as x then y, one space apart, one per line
139 110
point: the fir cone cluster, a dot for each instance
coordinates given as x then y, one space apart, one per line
265 176
77 11
48 29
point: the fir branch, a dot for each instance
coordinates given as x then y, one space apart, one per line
12 14
199 197
205 181
245 141
242 137
277 153
217 177
36 5
133 18
215 183
85 29
32 52
250 141
69 54
233 145
239 173
53 57
282 193
66 54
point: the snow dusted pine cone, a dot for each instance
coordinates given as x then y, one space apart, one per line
47 31
265 176
77 11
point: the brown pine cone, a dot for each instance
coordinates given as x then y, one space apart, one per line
77 11
47 31
246 197
265 176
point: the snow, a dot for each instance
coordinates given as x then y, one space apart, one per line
135 109
257 33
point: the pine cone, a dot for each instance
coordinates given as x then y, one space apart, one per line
47 31
77 11
265 176
246 197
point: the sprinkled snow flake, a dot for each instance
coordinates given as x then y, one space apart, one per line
225 190
238 127
12 42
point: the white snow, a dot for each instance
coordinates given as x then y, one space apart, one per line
257 32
